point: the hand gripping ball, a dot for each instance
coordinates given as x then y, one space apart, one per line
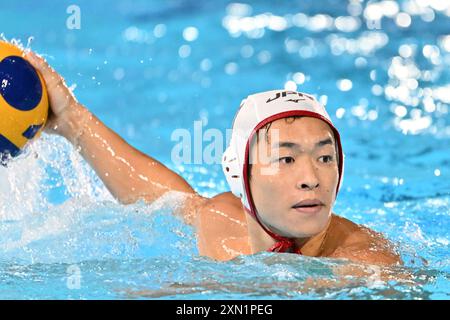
23 102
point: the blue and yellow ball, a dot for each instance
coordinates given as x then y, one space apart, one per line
23 102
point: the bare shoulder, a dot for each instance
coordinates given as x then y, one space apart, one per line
222 227
224 213
224 205
359 243
195 204
227 197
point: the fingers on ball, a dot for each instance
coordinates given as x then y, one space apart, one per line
47 71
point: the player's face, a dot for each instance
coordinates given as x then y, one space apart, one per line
296 162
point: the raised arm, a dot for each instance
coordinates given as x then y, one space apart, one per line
128 174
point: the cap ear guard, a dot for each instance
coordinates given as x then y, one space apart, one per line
232 171
231 163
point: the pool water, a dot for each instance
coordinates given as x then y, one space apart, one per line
147 68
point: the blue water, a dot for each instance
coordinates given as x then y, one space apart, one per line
386 87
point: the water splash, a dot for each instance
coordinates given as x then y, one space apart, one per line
80 230
29 43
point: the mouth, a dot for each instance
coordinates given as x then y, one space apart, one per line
309 206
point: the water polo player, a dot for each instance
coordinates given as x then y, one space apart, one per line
281 202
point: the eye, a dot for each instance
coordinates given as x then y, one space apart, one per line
326 159
286 160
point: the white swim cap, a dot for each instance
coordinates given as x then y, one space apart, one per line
255 112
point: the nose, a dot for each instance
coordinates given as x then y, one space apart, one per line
308 179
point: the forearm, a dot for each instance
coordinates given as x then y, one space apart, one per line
127 173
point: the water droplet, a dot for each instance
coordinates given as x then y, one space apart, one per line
290 85
190 34
345 84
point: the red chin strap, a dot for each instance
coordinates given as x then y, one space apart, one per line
283 244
